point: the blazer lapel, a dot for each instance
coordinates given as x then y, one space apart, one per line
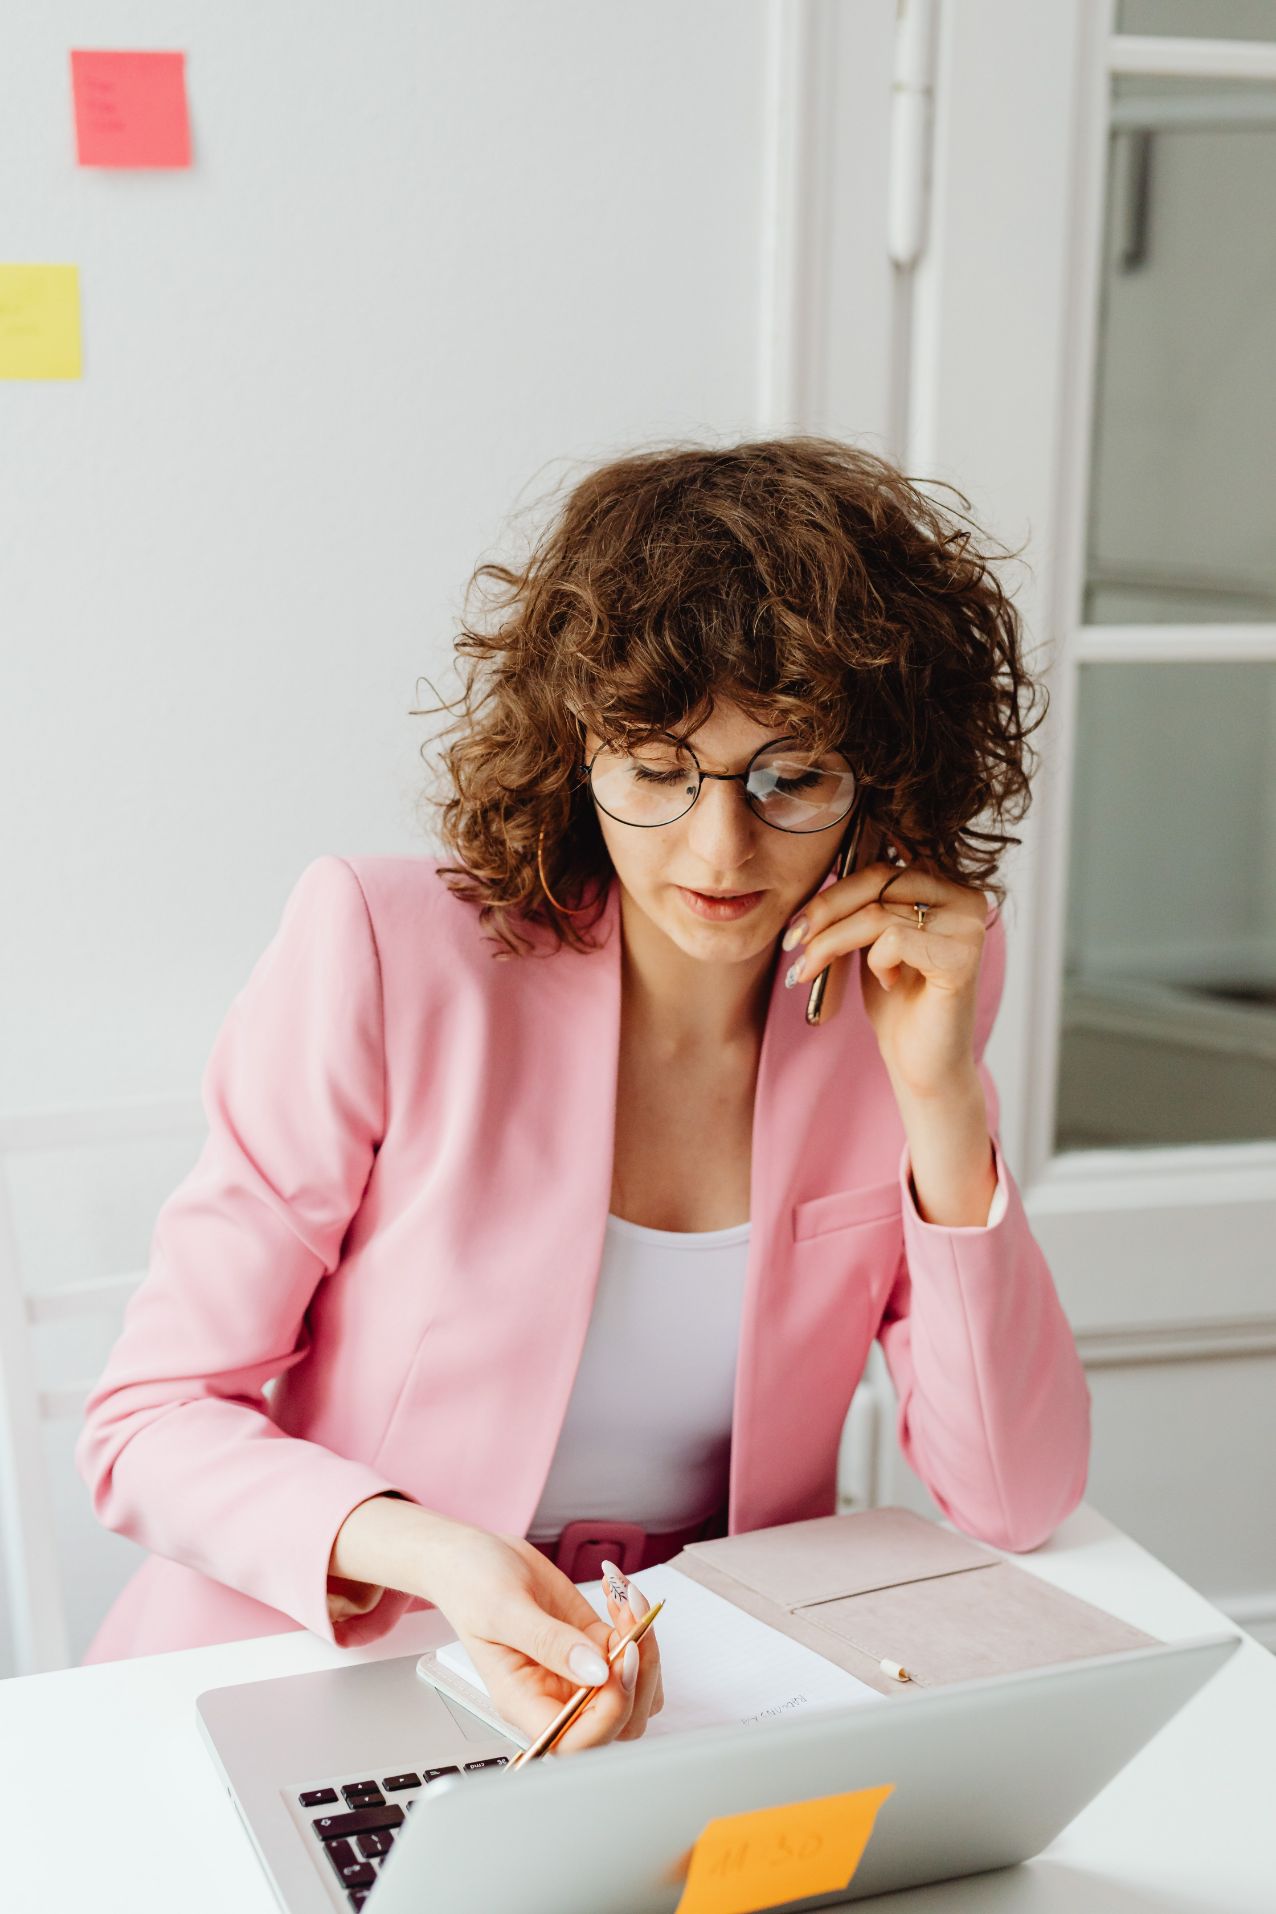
564 1029
816 1117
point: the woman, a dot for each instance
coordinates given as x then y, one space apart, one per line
563 1232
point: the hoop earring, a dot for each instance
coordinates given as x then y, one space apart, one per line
540 865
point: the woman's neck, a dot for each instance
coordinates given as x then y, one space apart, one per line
683 1005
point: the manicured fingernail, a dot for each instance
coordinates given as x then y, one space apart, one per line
617 1586
794 934
587 1665
638 1603
629 1668
794 974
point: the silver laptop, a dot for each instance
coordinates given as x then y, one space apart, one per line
365 1783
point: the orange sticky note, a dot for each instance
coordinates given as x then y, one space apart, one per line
39 322
768 1856
130 109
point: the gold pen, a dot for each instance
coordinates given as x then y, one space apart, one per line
567 1714
843 866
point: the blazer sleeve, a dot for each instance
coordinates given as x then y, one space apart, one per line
178 1446
993 1403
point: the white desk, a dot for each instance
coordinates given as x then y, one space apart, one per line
1188 1828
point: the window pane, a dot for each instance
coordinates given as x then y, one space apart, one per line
1182 524
1169 1000
1199 19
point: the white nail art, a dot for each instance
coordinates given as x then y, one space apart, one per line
617 1586
638 1603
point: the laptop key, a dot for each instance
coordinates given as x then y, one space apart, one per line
379 1842
358 1875
363 1794
359 1895
351 1871
317 1797
358 1821
393 1782
432 1774
493 1761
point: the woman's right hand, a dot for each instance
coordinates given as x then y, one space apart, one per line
530 1633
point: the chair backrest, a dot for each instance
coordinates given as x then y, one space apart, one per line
30 1562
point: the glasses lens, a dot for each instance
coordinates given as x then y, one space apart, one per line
800 790
653 784
791 788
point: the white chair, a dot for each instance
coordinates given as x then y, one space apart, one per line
867 1447
33 1576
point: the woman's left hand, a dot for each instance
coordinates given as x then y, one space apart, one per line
919 986
627 1604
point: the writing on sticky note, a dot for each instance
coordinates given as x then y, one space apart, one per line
130 108
767 1856
39 322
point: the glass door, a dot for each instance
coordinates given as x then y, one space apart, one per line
1168 1026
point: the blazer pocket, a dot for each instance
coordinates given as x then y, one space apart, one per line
848 1209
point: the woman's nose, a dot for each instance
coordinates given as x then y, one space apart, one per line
721 820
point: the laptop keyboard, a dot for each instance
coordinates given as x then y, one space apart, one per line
354 1822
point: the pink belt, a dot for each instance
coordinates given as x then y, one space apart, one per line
580 1548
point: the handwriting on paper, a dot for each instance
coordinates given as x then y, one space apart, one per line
130 108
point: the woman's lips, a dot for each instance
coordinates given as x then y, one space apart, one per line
721 910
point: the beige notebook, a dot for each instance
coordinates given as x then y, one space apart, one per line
881 1583
889 1583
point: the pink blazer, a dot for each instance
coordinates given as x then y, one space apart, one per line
399 1213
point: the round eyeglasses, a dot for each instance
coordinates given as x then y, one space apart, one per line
788 786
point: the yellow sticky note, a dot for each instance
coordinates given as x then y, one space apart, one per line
39 322
767 1856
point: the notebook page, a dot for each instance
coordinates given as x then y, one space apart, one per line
721 1667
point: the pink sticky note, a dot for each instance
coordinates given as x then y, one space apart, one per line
130 109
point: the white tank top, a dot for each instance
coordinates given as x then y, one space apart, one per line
647 1435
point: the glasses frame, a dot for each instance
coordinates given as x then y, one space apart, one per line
722 777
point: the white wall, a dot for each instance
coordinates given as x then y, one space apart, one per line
429 257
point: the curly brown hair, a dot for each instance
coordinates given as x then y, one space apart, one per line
807 580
